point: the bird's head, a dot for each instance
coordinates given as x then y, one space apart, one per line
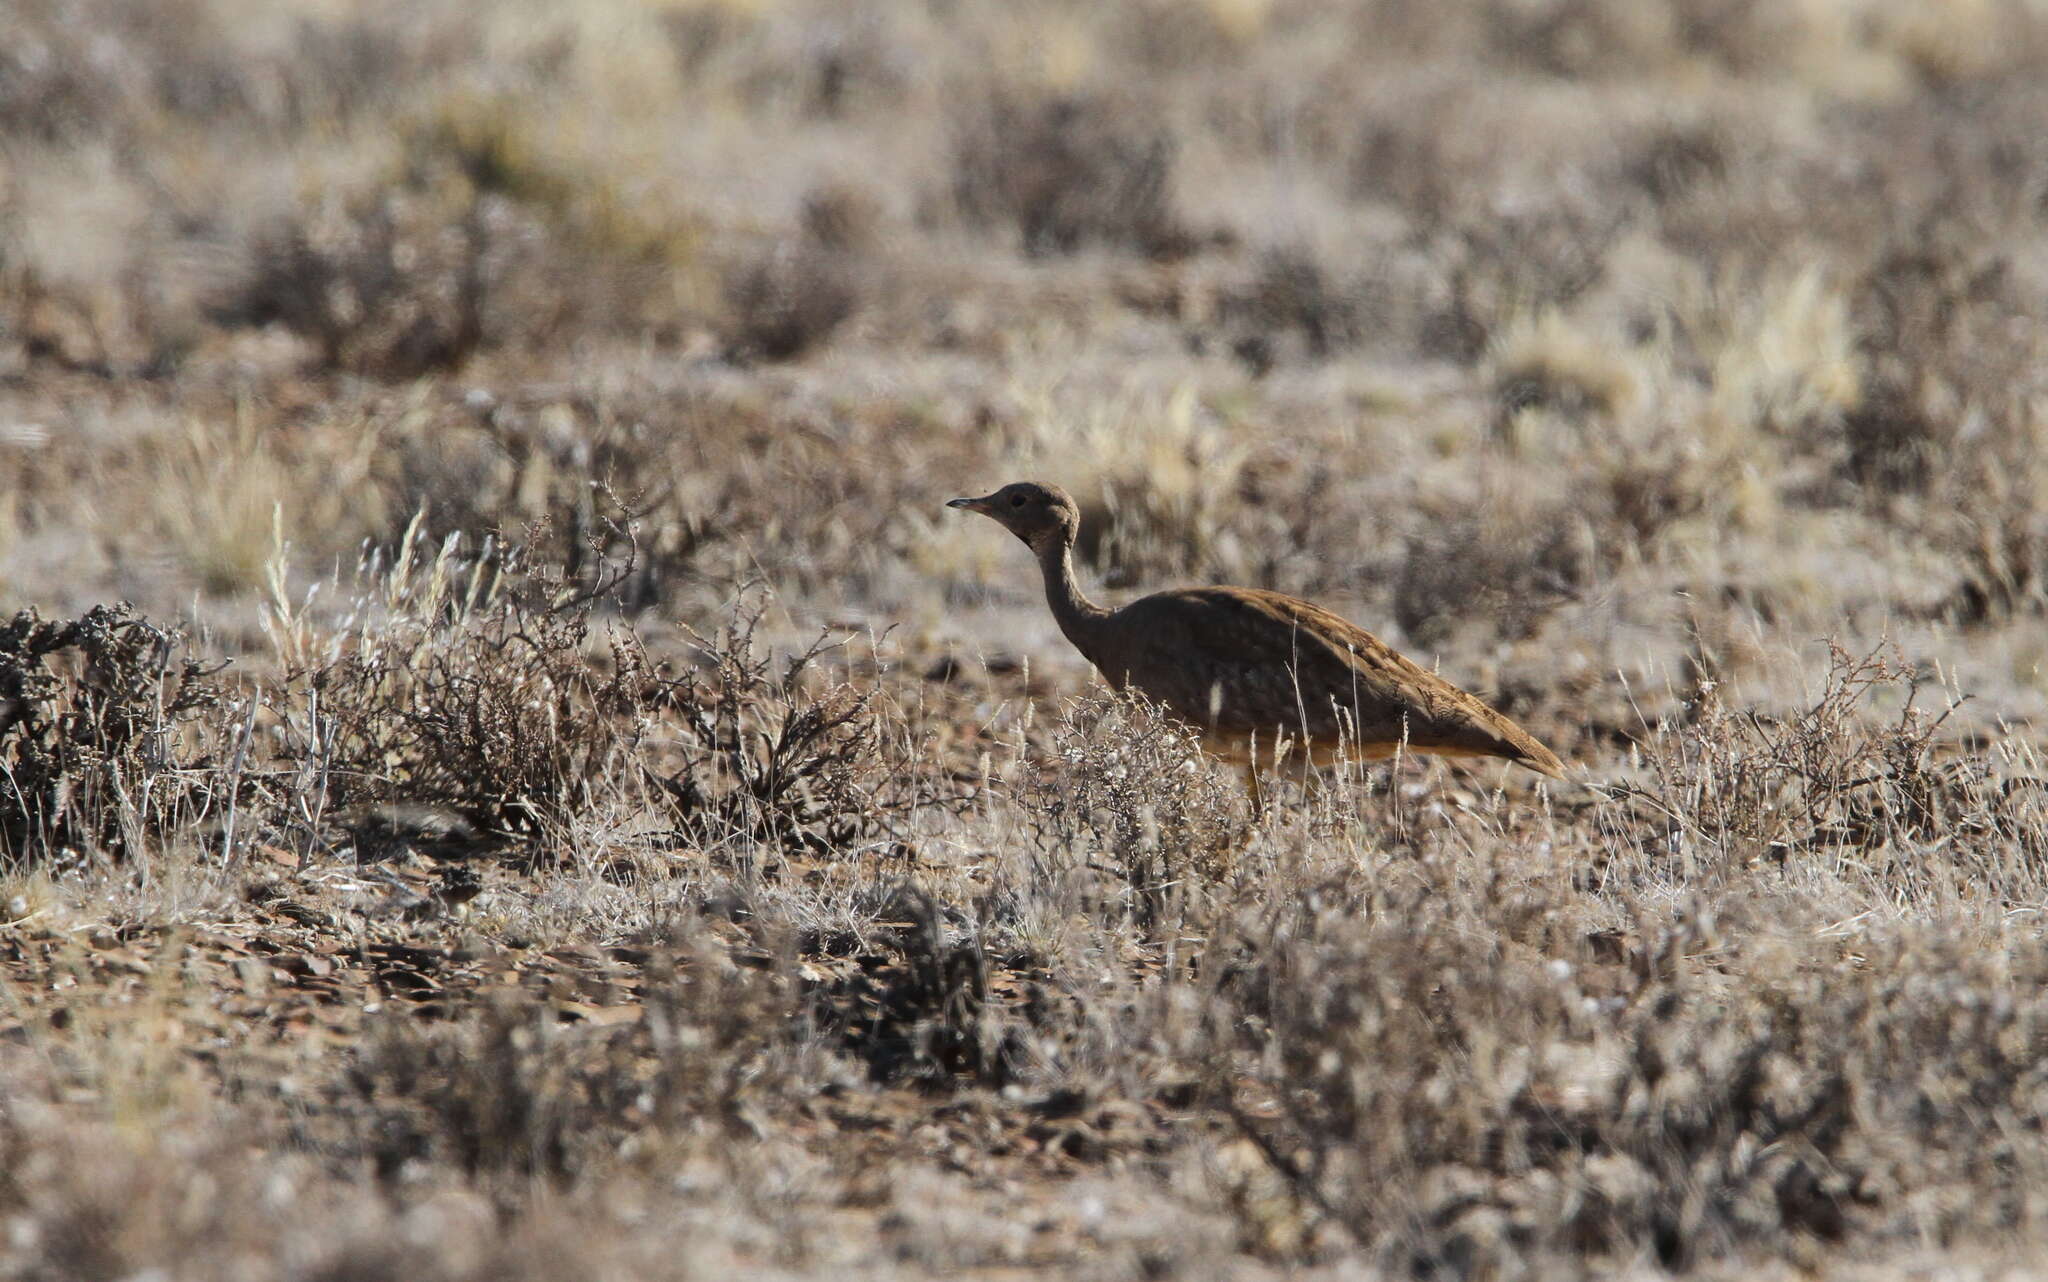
1034 513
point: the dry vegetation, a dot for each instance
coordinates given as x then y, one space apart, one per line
507 769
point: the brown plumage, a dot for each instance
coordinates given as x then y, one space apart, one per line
1252 668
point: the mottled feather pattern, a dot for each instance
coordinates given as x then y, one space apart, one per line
1282 664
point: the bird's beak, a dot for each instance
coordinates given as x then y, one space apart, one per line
980 505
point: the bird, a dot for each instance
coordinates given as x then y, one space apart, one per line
1255 671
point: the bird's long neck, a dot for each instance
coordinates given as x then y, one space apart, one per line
1078 617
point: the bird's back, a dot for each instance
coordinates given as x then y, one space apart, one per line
1240 662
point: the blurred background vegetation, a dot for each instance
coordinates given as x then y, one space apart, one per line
1558 326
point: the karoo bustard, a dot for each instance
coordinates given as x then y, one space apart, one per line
1253 669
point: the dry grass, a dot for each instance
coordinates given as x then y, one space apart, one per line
563 799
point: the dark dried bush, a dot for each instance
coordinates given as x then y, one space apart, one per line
470 682
774 756
486 240
556 461
1946 334
1891 442
789 299
1068 171
1511 264
1289 294
393 285
1508 561
106 736
512 1090
1459 1105
1675 159
1940 326
1512 560
472 685
842 217
508 1090
920 1010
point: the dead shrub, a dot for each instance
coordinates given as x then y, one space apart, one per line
471 685
106 736
485 240
96 69
1068 171
1129 795
556 463
1891 442
1943 328
1996 524
789 299
1289 295
1940 330
511 1090
508 1091
921 1011
1514 264
1735 787
468 681
1460 1106
774 756
1509 561
392 285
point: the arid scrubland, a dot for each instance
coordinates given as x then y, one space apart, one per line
508 770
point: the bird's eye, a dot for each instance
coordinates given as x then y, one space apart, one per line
1016 500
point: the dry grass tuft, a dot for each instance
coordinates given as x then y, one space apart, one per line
1544 365
507 1091
1508 561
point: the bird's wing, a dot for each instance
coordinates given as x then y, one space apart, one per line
1240 661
